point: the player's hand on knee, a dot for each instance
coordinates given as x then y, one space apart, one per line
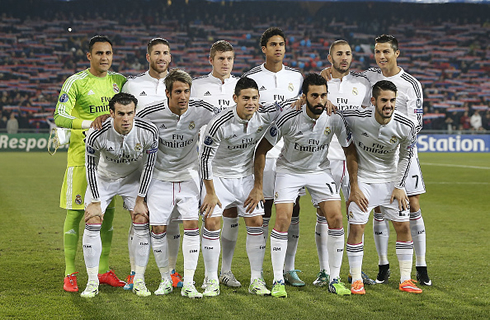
210 201
255 198
140 211
357 196
93 213
401 196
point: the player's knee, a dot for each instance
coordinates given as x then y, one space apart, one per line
212 224
335 220
414 203
158 229
138 218
230 213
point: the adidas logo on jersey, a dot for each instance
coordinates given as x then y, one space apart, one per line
365 134
207 94
143 94
262 88
90 93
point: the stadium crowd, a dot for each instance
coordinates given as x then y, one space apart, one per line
446 47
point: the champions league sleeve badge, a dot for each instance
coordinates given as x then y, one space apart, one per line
208 141
90 150
64 98
273 131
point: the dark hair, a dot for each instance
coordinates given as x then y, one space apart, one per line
156 41
384 85
177 75
97 38
335 43
387 38
122 98
269 33
313 79
220 45
245 83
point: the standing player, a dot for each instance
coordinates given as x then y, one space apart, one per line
83 97
277 83
409 102
226 169
380 133
217 89
175 184
346 90
149 87
114 157
303 163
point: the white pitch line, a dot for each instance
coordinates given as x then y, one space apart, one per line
453 165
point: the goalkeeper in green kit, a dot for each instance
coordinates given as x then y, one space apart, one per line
83 97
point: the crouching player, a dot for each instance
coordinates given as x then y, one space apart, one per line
114 157
378 133
303 163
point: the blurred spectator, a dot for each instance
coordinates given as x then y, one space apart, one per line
486 121
3 122
476 121
12 124
452 121
464 122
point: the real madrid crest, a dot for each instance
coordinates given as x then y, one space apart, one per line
115 88
327 131
137 147
259 129
192 125
291 87
393 139
355 91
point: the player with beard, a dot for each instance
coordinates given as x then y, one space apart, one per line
303 163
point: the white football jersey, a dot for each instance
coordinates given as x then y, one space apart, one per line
351 92
409 98
178 137
229 142
377 146
146 89
111 155
306 140
213 91
276 87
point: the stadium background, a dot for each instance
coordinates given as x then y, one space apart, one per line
445 45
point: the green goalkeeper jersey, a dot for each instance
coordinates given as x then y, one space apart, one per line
84 97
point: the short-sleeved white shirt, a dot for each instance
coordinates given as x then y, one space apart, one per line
306 140
378 144
146 89
111 155
177 158
214 91
351 92
229 142
276 87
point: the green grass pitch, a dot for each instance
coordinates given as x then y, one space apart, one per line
455 211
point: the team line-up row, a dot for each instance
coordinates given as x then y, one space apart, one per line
259 145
